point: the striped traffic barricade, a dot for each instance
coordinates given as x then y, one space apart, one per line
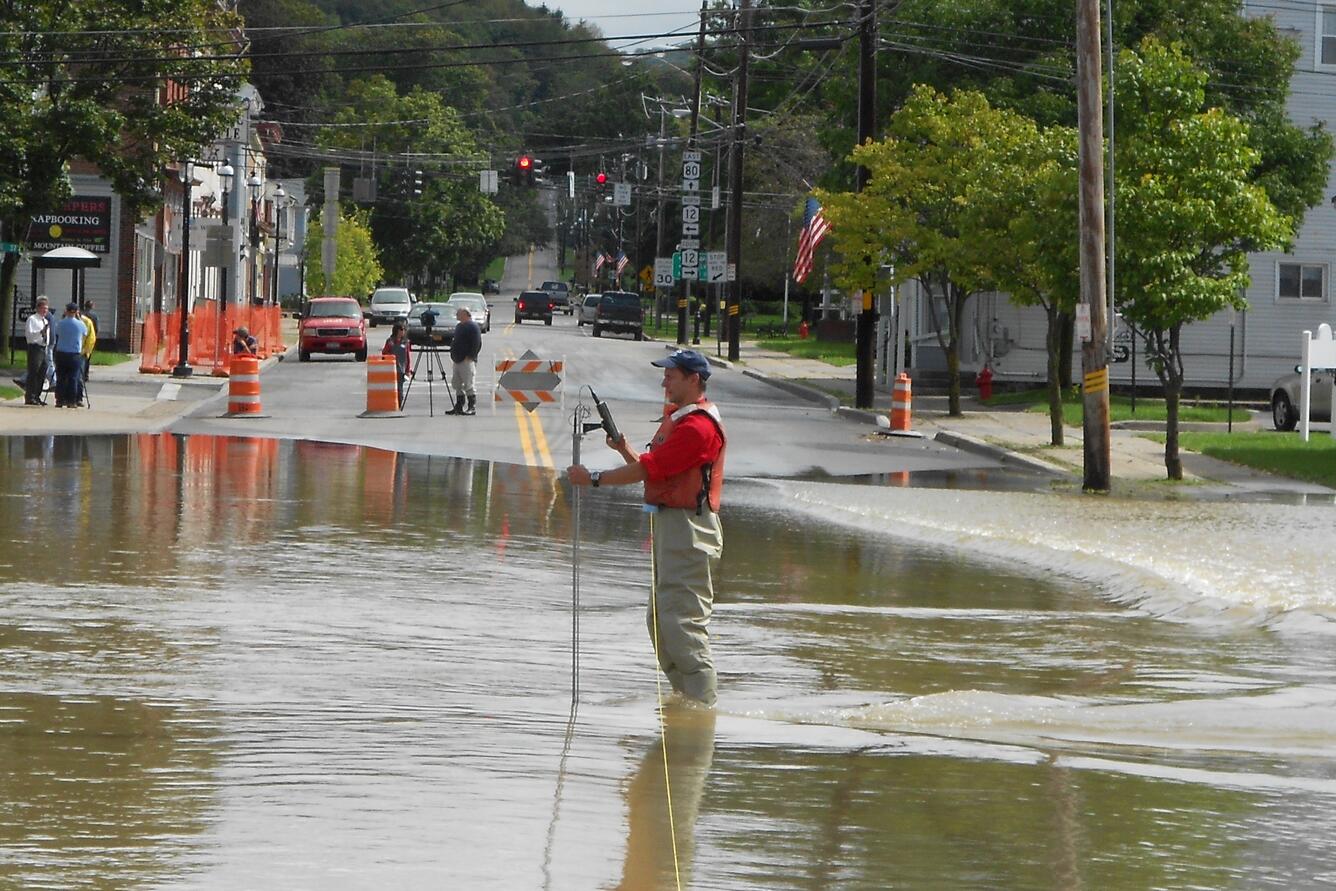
382 388
243 388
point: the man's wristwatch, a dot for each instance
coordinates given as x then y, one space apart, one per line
594 478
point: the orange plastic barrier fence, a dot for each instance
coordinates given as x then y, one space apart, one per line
901 403
243 387
150 349
382 385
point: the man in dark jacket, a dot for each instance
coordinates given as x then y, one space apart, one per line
464 350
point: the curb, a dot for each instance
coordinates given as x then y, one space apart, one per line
967 443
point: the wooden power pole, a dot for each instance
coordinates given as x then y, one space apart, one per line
867 111
1094 357
735 183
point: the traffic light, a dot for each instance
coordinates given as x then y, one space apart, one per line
601 179
524 170
417 183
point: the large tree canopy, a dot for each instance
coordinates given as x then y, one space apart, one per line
85 81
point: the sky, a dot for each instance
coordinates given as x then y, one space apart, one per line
616 17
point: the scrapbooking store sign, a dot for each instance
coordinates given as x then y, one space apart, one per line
81 222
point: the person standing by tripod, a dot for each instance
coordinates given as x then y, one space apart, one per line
464 349
397 345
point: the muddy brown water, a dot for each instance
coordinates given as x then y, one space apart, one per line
248 663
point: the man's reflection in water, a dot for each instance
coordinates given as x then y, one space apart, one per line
689 737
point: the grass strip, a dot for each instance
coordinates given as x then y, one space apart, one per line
1284 454
1120 408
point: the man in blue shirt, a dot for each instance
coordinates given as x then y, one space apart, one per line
69 333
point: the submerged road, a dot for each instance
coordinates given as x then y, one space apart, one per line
772 433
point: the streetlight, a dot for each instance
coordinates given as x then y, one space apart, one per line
254 184
225 176
186 173
280 207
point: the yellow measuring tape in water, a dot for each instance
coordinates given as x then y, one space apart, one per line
658 686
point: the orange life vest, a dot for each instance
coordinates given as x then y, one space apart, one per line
695 487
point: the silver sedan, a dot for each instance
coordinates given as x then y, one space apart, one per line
1286 398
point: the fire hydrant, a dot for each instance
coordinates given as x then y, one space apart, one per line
985 382
802 329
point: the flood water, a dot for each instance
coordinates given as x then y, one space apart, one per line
248 663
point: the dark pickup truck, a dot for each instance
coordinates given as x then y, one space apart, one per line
620 312
561 296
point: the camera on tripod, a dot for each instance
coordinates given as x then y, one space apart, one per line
428 320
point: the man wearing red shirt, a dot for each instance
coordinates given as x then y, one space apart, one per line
683 473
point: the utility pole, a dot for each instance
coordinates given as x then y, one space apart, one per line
658 212
735 183
685 302
1094 358
867 102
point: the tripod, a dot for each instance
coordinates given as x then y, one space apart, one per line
429 355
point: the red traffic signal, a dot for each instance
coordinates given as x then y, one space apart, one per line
601 178
524 163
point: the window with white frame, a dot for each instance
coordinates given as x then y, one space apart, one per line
1326 36
1301 281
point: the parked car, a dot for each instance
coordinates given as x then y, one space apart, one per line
561 296
387 304
332 325
588 310
621 313
534 305
442 329
477 306
491 286
1286 398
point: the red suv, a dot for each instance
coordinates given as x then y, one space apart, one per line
332 325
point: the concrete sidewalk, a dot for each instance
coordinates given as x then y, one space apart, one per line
1010 435
121 400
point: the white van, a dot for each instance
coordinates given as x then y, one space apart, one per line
388 304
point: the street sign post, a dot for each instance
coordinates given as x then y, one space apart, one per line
665 271
621 194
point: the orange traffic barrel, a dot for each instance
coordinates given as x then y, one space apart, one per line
901 404
243 388
382 388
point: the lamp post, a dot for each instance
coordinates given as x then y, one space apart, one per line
225 175
254 184
185 172
280 208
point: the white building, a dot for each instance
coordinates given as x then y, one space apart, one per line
1290 292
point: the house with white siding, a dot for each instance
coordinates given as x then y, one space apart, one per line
1290 291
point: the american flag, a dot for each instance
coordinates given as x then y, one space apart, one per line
814 229
598 264
621 262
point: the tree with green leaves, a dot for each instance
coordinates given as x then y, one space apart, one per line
913 213
1189 211
82 81
357 269
1022 217
427 230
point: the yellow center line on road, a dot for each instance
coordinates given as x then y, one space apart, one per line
526 441
536 420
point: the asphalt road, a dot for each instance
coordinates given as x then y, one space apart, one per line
771 433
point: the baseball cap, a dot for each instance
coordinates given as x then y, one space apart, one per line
71 307
242 331
689 361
